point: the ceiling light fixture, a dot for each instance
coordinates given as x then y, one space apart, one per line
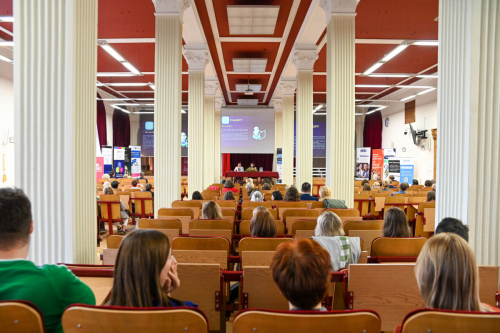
414 87
432 76
359 114
6 59
369 106
248 92
373 68
317 108
389 75
6 18
123 84
112 99
427 43
388 57
119 108
372 86
118 74
118 57
426 91
407 98
6 43
152 86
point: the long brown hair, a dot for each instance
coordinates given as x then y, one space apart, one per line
140 260
292 194
263 224
395 224
211 211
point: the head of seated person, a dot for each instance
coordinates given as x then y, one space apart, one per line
431 196
105 176
434 187
267 181
415 182
396 224
386 184
145 271
196 196
228 184
455 226
447 275
259 209
277 196
325 193
148 187
257 196
263 224
111 174
392 178
306 188
114 184
376 185
229 195
141 175
367 187
428 183
134 183
106 184
211 211
108 190
266 187
329 224
301 269
403 187
292 194
365 181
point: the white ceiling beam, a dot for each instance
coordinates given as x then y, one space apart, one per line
251 39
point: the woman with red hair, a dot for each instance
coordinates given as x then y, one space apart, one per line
301 270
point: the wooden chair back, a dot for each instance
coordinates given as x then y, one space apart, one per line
227 204
416 187
346 214
207 197
245 227
99 278
365 321
171 228
366 230
261 244
398 200
228 214
201 243
291 215
195 205
379 202
362 206
220 186
92 319
255 204
303 228
114 241
280 187
247 213
397 247
217 228
259 291
182 214
214 193
282 205
363 225
115 207
148 204
20 317
420 226
268 196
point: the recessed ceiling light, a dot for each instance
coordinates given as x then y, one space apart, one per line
427 43
372 86
414 87
108 48
394 52
6 18
248 101
249 65
6 59
119 108
317 108
407 98
252 20
6 43
244 87
118 74
373 68
426 91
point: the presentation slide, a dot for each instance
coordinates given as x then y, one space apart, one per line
319 139
247 131
147 137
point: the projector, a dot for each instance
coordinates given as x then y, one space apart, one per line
249 92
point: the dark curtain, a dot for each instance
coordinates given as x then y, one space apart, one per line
372 132
226 163
101 122
121 129
260 160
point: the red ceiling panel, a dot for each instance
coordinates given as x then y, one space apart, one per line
220 7
249 50
413 59
126 19
6 10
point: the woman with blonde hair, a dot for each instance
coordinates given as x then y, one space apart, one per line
329 224
211 211
325 195
257 196
447 275
106 184
249 188
385 184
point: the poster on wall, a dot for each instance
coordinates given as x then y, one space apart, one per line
135 161
319 139
388 153
407 167
279 164
119 162
107 154
363 163
377 164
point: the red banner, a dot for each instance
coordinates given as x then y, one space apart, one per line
377 164
99 168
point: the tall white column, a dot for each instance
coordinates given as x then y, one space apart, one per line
304 57
288 87
197 58
209 135
468 121
278 128
340 124
55 125
219 103
168 101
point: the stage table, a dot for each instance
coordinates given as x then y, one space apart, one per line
257 174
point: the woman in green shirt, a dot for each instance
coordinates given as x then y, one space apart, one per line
251 168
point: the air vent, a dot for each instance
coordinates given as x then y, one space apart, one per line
252 20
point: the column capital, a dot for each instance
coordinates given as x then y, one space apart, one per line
304 57
288 86
277 104
171 6
211 87
338 7
196 57
219 103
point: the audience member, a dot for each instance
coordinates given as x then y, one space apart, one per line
330 235
402 189
301 269
142 177
428 183
123 212
392 179
385 185
434 187
51 288
211 211
266 187
376 185
196 196
239 168
148 188
325 194
367 187
251 168
135 185
111 174
249 188
431 196
447 275
229 186
229 195
106 184
306 193
455 226
145 272
267 181
249 180
257 196
105 176
415 181
365 181
277 196
115 184
396 224
263 224
292 194
259 209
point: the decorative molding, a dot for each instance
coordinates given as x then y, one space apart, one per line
196 59
288 87
304 59
211 87
219 103
171 6
338 7
277 104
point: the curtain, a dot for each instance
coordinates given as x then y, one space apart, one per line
121 129
372 132
226 163
260 160
101 122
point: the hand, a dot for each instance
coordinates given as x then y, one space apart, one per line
173 282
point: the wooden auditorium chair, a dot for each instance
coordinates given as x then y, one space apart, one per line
247 213
255 204
424 223
143 203
282 205
20 317
292 214
201 250
378 203
171 228
227 204
110 210
245 227
346 214
206 227
113 244
194 205
302 229
396 249
367 230
182 214
99 278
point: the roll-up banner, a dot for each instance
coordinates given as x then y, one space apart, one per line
377 164
279 164
388 153
135 153
119 162
363 163
128 162
107 154
402 168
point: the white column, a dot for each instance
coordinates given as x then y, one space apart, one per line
197 58
340 125
303 58
288 90
209 135
168 101
468 121
278 128
219 103
55 125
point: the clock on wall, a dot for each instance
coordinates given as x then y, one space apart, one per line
387 122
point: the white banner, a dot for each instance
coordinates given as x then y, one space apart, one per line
363 163
107 154
135 157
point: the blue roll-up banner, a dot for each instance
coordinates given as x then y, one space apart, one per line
135 156
107 154
407 168
119 162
